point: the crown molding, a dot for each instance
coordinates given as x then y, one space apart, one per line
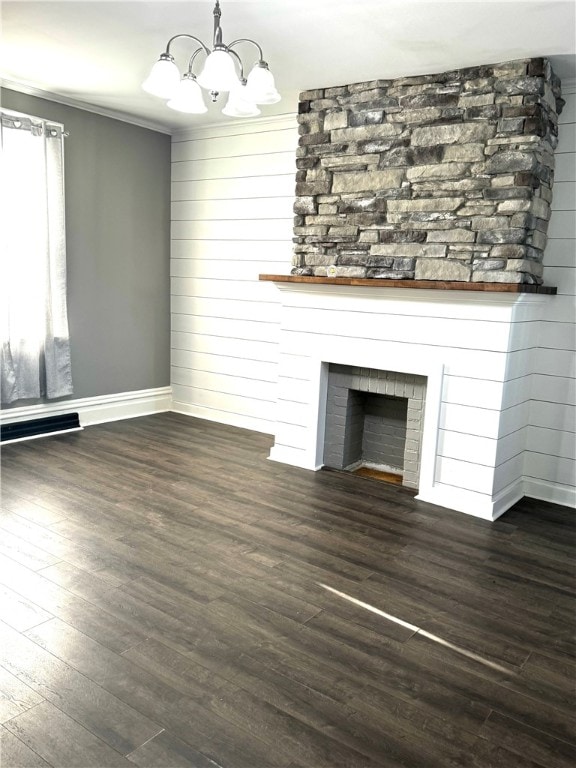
67 101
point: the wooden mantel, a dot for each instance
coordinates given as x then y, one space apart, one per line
437 285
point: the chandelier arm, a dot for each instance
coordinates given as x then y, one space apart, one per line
192 58
191 37
247 40
239 60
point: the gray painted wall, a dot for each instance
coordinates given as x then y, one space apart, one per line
118 248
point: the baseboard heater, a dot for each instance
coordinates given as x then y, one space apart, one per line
50 425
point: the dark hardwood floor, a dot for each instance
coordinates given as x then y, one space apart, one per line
171 598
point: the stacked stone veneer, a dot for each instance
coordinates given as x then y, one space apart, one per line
344 441
438 177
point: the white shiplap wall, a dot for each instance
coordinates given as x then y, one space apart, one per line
549 464
232 197
232 194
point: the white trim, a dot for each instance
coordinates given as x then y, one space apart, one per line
428 295
296 457
460 500
473 503
502 501
263 426
32 90
434 373
97 410
555 493
491 508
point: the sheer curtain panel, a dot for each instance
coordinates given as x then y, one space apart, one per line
35 351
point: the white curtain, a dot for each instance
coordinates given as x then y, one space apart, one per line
35 345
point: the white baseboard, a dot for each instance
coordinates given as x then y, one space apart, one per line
97 410
506 498
458 499
555 493
491 508
223 417
471 502
296 457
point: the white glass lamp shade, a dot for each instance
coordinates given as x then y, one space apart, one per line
260 85
163 79
238 104
188 97
219 73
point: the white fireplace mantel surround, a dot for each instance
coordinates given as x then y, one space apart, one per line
476 350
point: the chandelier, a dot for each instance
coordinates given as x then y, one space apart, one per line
223 71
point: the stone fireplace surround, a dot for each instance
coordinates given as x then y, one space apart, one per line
434 177
422 206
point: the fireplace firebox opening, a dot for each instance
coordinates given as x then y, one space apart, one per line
374 422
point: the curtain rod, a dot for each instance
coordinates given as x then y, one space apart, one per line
12 114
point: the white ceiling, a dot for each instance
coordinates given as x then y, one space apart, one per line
98 53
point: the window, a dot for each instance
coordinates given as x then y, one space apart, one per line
35 345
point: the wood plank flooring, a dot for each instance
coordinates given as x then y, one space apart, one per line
171 598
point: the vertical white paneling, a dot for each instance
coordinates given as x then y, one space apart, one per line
550 466
232 197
